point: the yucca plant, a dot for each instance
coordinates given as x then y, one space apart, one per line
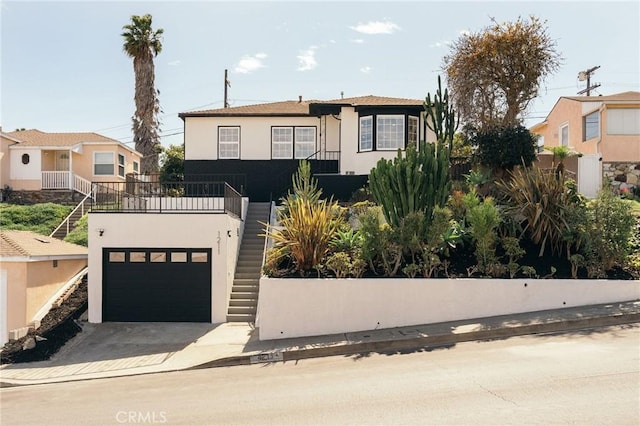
305 233
546 205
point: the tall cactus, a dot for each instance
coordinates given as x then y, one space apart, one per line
419 181
440 116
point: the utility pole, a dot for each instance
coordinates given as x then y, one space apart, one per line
586 75
227 83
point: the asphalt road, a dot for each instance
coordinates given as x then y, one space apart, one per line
581 378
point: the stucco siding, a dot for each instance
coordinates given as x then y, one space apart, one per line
219 232
16 294
44 280
201 135
30 171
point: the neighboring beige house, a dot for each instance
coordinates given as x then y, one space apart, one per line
5 142
37 160
34 269
605 129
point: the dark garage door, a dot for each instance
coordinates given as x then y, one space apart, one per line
156 285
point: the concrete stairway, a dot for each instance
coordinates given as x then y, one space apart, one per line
243 302
70 222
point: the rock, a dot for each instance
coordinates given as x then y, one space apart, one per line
40 339
29 343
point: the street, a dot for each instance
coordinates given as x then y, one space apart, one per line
583 378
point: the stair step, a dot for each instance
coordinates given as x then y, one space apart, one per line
242 310
243 303
249 263
236 290
248 274
241 318
244 296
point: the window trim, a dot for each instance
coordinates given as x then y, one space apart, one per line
136 166
360 135
402 126
293 142
288 143
296 155
121 166
584 126
417 132
562 126
112 163
237 143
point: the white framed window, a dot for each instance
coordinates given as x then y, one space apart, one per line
305 141
120 165
389 132
229 142
282 142
564 135
103 164
623 121
366 133
591 126
136 167
412 136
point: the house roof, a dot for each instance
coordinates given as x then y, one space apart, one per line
300 107
624 97
29 244
617 97
34 137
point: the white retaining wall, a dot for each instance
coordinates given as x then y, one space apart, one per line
308 307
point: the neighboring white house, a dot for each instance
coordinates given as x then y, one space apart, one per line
261 145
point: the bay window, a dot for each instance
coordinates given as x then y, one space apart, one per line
388 132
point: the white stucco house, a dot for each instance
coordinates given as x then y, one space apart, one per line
260 146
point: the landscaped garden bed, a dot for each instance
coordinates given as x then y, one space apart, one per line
511 238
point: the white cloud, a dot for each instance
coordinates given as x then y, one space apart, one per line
249 64
376 27
441 43
307 59
174 63
366 69
357 41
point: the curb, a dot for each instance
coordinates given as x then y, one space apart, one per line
444 339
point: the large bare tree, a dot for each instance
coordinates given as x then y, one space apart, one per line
143 44
494 74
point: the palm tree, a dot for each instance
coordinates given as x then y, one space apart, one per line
142 44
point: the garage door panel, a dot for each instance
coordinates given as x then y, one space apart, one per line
147 285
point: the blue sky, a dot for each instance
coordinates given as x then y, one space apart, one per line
63 69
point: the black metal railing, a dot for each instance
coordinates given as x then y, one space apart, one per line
237 181
232 201
136 196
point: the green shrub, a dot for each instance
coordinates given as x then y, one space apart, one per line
483 222
79 235
610 231
40 218
505 147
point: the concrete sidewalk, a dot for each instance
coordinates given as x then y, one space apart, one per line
125 349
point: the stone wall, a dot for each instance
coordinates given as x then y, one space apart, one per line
621 175
44 196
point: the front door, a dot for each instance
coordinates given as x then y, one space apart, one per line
62 161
